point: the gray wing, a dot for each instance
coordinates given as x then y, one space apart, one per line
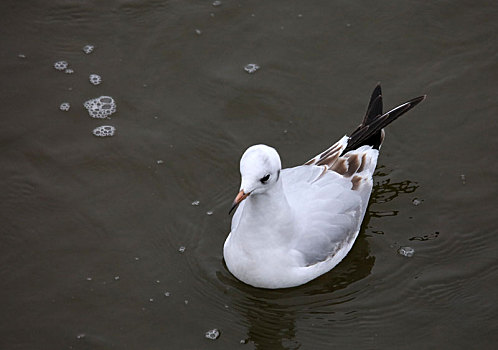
329 205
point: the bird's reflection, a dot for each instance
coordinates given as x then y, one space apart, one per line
385 191
271 314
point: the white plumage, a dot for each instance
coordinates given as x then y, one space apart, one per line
295 224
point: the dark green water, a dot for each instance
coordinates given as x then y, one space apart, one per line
91 227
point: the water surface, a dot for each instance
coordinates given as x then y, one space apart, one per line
92 227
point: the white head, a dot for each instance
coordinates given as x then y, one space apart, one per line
260 170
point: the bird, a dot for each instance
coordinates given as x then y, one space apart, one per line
292 225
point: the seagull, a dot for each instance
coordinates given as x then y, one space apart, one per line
293 225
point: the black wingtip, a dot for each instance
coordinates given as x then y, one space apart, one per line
369 132
415 101
374 108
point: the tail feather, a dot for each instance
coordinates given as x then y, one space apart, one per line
374 108
370 130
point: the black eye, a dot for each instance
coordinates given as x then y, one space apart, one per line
265 178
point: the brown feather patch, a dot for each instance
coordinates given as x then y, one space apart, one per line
356 181
363 162
329 156
330 160
353 164
340 166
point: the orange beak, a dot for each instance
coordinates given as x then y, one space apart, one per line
240 197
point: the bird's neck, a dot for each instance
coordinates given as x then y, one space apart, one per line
268 216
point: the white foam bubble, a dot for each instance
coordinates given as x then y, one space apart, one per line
65 106
95 79
216 3
103 131
100 107
88 49
251 68
212 334
181 249
69 71
406 251
61 65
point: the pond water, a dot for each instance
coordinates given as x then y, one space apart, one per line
116 241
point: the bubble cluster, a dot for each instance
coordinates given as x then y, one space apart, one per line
416 201
95 79
194 203
406 251
103 131
88 49
251 68
212 334
61 65
100 107
65 106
